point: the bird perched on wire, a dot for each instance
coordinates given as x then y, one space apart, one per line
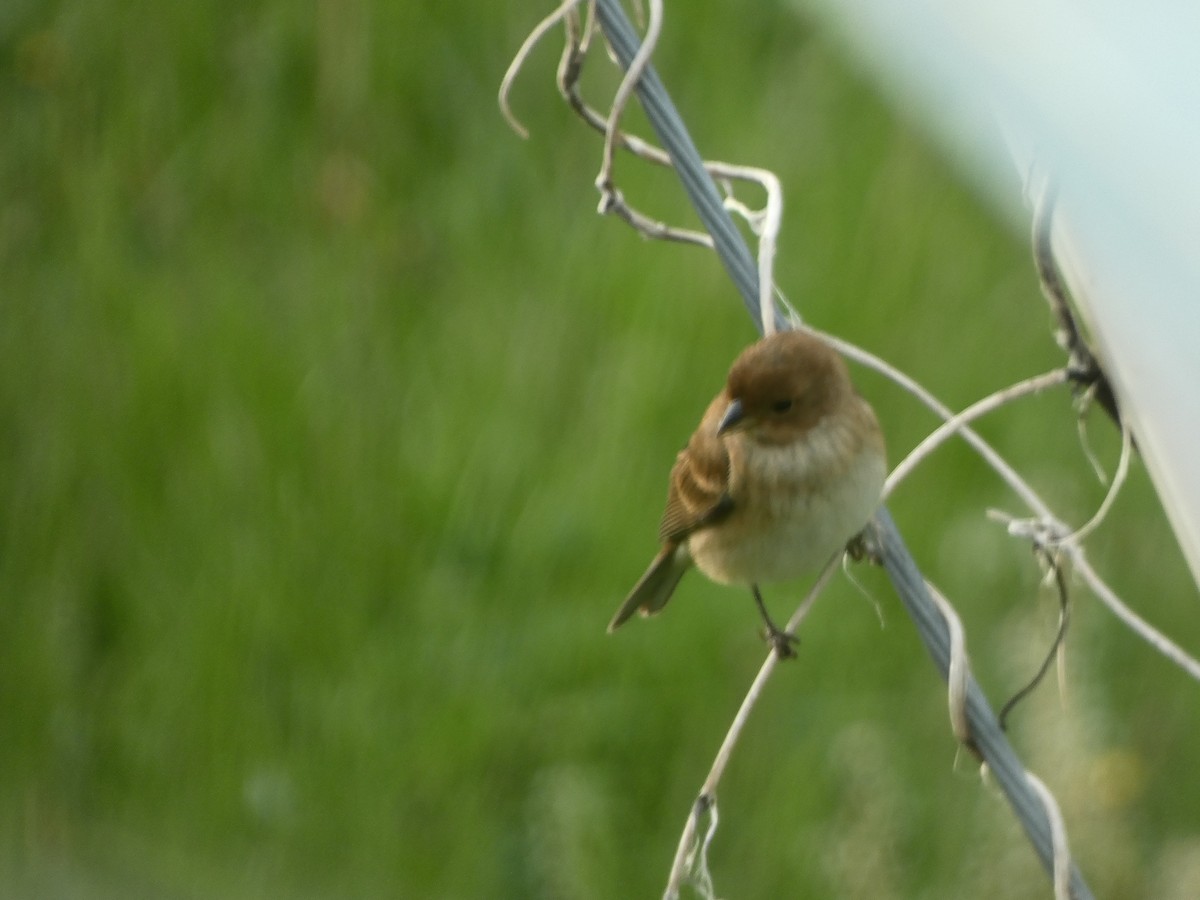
786 467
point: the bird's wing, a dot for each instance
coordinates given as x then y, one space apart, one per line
699 494
654 589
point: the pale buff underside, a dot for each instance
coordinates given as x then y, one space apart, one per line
797 505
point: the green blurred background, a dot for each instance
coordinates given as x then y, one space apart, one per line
334 425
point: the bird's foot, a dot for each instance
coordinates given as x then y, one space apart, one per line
865 545
784 643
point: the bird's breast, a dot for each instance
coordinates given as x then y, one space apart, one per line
795 505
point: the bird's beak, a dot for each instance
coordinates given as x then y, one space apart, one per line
734 415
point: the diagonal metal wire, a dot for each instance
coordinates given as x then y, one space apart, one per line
985 733
689 166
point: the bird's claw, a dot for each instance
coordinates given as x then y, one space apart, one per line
782 642
865 545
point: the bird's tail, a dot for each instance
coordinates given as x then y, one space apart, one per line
654 589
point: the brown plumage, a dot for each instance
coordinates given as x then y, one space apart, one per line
786 466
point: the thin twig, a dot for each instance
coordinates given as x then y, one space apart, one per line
654 229
1085 443
952 426
910 385
707 799
767 230
765 224
1113 489
1046 520
1058 833
1130 619
633 73
959 671
518 62
1064 618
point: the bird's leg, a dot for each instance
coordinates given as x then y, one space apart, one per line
865 545
781 641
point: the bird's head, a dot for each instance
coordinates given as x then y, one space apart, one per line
782 386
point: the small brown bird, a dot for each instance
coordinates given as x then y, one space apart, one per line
786 467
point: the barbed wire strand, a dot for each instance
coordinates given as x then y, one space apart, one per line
985 733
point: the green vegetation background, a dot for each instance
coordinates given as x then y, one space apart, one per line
334 424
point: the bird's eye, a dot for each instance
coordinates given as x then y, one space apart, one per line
782 406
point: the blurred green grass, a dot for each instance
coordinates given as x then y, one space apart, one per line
333 425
